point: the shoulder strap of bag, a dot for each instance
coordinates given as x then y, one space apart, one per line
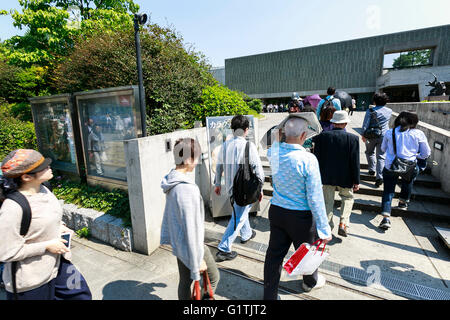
394 142
247 160
24 226
26 216
373 114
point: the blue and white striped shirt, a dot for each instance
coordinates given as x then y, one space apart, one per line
297 184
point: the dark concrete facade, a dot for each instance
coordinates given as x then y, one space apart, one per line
353 66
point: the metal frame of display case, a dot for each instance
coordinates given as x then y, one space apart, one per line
105 93
67 98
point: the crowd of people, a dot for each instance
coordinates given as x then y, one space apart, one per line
304 184
297 104
274 108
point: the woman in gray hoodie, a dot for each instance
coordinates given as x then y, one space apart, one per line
184 217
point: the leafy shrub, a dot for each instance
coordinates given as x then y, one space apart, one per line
83 233
22 111
18 84
173 75
113 202
15 134
255 104
218 100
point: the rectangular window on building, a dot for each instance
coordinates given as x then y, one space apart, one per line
408 59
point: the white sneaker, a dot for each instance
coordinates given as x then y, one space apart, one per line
320 283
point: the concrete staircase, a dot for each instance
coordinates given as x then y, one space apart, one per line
427 200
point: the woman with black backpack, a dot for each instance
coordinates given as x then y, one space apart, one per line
404 146
37 260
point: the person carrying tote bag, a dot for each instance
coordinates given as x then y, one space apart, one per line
404 145
183 224
37 260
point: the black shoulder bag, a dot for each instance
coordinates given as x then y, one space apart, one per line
246 184
404 168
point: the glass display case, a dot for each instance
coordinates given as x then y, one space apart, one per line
53 122
218 130
107 117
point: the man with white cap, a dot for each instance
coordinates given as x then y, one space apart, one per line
338 154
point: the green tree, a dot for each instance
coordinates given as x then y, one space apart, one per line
173 76
50 35
413 58
218 100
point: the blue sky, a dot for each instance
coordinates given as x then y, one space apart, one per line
223 29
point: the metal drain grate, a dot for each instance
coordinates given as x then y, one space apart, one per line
359 276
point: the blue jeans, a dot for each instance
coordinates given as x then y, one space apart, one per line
242 226
375 157
390 180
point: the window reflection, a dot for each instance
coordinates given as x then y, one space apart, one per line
55 134
106 122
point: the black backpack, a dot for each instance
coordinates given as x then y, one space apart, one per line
24 226
374 130
246 184
328 103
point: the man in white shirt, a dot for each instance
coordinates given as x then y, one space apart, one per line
228 163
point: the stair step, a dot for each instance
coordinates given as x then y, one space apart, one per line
423 179
444 234
419 193
420 208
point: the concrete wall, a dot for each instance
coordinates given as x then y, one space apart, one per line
435 113
219 74
147 163
353 66
414 76
439 161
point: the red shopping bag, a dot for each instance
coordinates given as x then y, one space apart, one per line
196 292
306 259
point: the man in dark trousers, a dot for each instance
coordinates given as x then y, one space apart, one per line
338 154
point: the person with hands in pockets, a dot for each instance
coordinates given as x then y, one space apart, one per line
40 257
297 211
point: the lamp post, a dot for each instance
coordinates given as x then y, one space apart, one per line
140 19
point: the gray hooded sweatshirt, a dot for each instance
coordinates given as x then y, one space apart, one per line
183 222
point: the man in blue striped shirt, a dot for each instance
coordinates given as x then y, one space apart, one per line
297 212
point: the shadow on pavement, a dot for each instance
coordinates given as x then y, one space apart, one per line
131 290
395 276
402 246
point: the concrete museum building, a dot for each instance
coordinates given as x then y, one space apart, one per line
360 67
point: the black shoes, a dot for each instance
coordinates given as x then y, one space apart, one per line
402 205
253 235
342 230
371 173
378 183
222 256
385 223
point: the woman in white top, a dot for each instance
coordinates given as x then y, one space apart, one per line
411 145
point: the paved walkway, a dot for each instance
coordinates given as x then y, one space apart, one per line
412 261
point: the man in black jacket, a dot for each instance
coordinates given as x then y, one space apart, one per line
338 154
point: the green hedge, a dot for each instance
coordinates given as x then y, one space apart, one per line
218 100
14 133
113 202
